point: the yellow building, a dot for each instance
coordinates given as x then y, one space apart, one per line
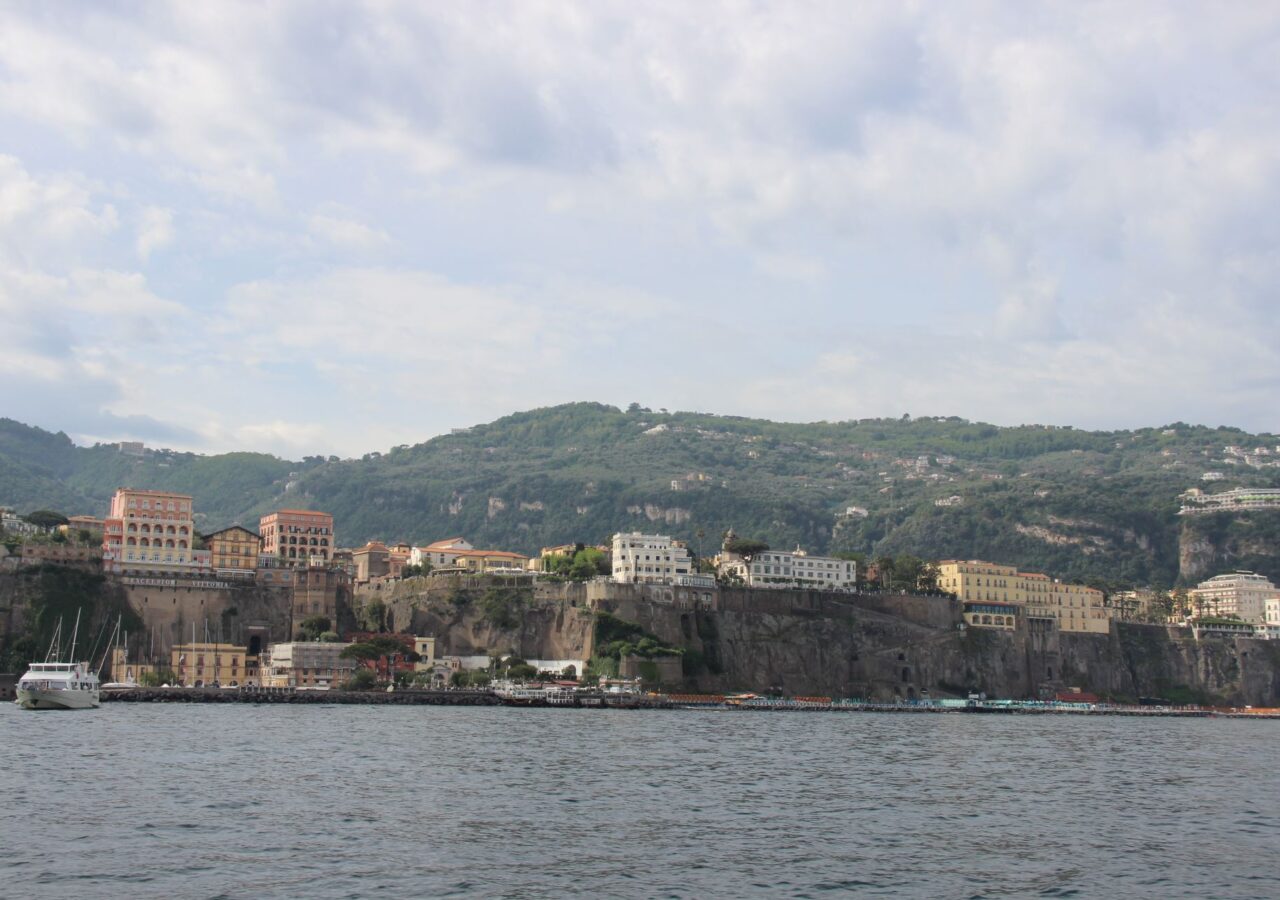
235 548
204 664
1071 607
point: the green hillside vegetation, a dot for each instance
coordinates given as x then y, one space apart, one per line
1087 505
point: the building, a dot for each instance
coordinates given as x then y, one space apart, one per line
306 664
438 554
1242 595
457 553
653 559
1045 602
1196 501
234 550
148 532
298 537
1132 606
373 560
992 615
317 591
91 524
796 569
13 523
206 664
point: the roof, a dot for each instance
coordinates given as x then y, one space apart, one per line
297 512
473 553
233 528
443 545
153 493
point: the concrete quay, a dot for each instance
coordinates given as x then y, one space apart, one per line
290 695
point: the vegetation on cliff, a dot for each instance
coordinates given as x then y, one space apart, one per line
1077 504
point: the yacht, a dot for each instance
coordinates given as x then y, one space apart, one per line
59 685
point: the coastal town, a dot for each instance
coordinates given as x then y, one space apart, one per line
329 627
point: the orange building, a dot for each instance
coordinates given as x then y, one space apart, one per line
298 537
150 531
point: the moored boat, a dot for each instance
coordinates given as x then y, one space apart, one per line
58 685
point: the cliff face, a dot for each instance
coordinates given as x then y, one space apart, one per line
1211 543
893 646
472 616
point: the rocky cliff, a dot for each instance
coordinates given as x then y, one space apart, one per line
809 643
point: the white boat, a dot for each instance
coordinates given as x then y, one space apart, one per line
58 685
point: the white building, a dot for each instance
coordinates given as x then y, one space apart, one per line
1240 594
306 664
797 569
653 559
1197 501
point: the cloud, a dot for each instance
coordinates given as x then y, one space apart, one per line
347 233
155 230
1001 212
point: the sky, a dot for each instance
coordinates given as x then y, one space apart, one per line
329 228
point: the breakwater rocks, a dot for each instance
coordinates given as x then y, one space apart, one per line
286 695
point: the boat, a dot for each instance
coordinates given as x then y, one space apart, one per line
59 685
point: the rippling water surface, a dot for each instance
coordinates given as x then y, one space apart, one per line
149 801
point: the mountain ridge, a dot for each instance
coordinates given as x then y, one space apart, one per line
1100 505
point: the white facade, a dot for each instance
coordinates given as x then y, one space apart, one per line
797 569
1196 501
306 664
649 559
1240 594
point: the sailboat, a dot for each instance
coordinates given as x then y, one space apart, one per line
59 685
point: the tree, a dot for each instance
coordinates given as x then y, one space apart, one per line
46 518
747 548
885 568
360 680
373 617
314 626
378 647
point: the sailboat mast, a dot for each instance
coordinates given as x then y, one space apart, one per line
71 657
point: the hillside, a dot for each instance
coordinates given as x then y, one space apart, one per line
1077 504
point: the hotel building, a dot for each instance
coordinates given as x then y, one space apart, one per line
1069 607
1242 595
797 569
654 559
298 537
150 532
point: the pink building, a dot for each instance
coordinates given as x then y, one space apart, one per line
297 536
149 532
